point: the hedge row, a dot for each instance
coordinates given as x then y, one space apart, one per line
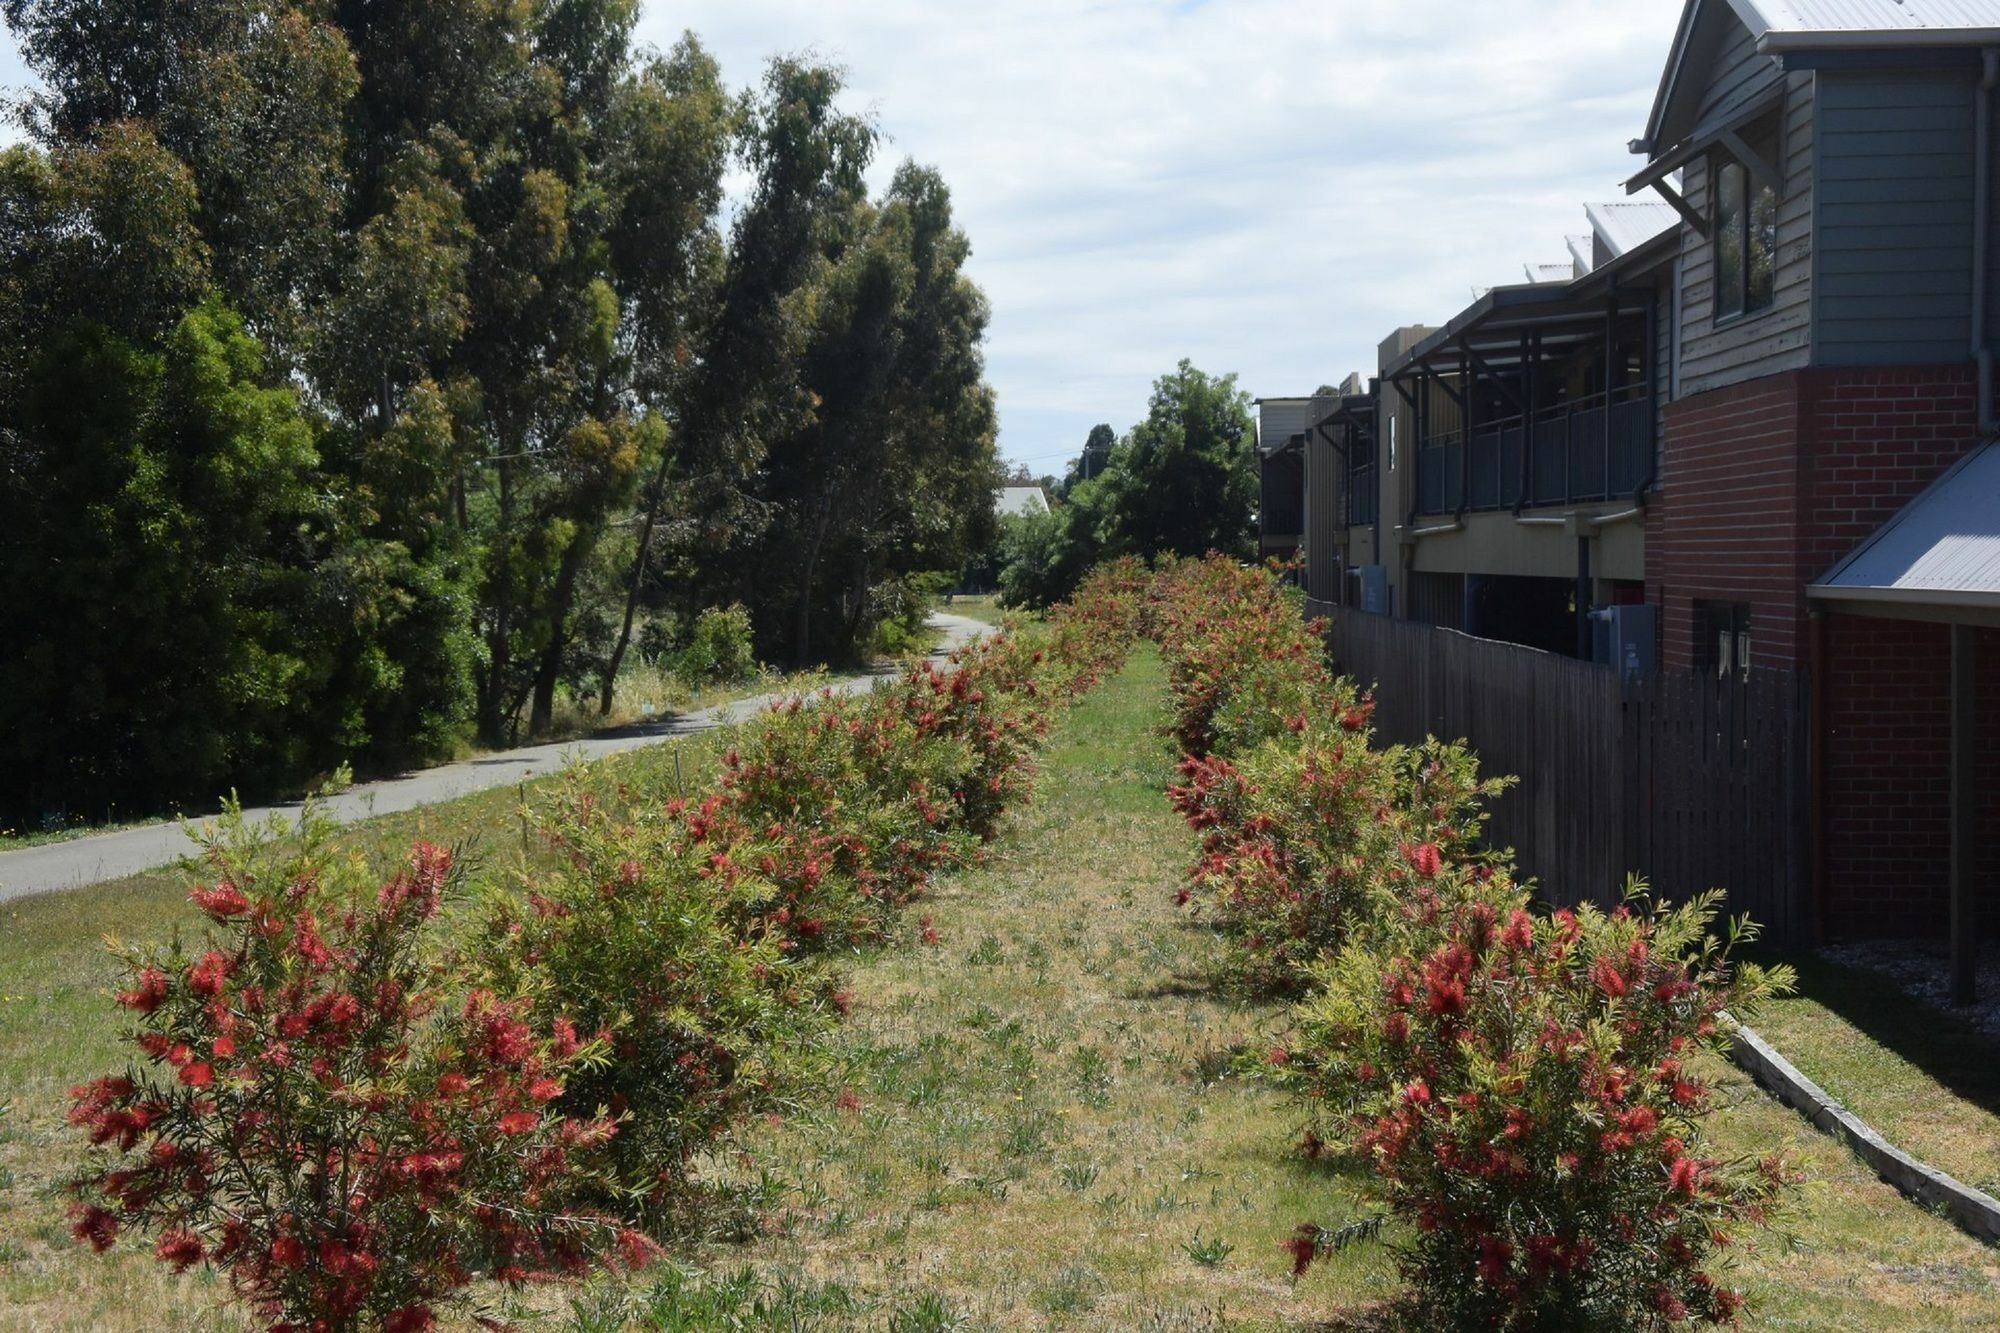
1520 1088
357 1098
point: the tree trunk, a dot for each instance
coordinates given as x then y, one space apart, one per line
550 668
632 585
493 714
802 644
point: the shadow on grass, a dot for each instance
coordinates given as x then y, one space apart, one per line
1957 1056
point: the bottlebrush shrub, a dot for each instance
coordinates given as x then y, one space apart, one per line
325 1112
1525 1092
989 696
1242 661
1313 836
853 806
636 934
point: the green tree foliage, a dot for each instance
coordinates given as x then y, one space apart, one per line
1182 482
530 391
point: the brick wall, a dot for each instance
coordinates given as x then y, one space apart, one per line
1876 439
1726 527
1888 780
1768 484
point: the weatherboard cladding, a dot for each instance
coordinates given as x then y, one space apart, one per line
1278 420
1895 217
1766 342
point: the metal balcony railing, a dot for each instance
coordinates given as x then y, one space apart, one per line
1582 450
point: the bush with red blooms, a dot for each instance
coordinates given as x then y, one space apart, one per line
1243 663
324 1114
1310 837
1525 1092
649 939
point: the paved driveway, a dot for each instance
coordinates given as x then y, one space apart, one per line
102 856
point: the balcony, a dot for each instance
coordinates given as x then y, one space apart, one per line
1586 449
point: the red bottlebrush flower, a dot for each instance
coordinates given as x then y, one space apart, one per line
1303 1246
197 1075
1609 979
519 1122
636 1248
1417 1092
1424 858
287 1252
96 1226
1353 719
1495 1255
1519 935
222 902
223 1048
149 994
453 1084
409 1319
181 1249
544 1090
206 977
1684 1176
566 1043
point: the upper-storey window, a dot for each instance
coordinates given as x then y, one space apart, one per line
1746 228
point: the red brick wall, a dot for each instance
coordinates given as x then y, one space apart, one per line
1876 439
1726 527
1766 486
1888 780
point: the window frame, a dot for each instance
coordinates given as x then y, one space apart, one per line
1752 194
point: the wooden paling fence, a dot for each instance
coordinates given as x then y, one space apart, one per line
1691 782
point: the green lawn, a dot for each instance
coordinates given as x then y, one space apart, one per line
1040 1132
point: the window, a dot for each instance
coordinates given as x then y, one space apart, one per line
1722 639
1746 229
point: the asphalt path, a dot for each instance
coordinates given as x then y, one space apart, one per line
101 856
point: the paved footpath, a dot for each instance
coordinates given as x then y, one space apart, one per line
102 856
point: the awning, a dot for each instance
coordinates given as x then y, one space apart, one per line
1939 559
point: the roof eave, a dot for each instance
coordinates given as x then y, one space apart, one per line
1778 43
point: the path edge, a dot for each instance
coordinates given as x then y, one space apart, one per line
1974 1210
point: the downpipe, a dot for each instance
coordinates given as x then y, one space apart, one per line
1982 213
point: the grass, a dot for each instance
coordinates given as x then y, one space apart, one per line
58 1027
1041 1132
979 606
1925 1079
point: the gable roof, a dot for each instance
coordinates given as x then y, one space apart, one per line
1782 26
1942 551
1799 25
1020 501
1628 224
1540 274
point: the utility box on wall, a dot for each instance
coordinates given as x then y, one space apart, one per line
1374 589
1626 637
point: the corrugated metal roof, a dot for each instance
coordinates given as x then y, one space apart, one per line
1582 253
1021 500
1942 549
1545 273
1627 224
1867 15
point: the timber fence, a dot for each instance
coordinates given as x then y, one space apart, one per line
1688 780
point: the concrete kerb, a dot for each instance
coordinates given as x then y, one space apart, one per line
1974 1210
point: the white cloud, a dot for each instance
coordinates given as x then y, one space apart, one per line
1266 186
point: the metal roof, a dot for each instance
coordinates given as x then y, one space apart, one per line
1792 25
1540 274
1628 224
1019 501
1942 551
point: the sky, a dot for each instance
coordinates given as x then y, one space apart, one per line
1265 187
